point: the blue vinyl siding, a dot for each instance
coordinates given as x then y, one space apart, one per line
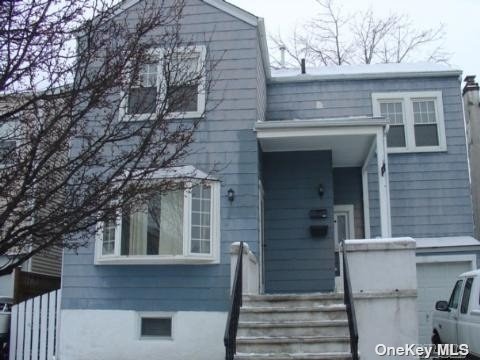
430 192
294 260
226 142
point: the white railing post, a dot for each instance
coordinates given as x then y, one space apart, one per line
251 272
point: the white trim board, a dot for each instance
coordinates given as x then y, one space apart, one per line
472 259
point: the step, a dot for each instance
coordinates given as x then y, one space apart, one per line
293 344
294 328
284 300
295 356
280 313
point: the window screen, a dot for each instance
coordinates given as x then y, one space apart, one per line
159 327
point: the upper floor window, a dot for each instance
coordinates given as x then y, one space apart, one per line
178 81
179 226
416 120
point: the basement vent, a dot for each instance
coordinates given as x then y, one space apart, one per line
156 327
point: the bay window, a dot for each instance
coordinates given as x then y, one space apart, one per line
179 226
416 120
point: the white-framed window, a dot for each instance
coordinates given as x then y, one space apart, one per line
176 227
416 120
185 98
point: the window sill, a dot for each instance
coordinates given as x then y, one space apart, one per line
170 116
426 149
142 260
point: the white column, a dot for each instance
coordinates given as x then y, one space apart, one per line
383 184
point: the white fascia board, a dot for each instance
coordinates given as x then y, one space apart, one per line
264 48
359 121
228 8
233 10
389 75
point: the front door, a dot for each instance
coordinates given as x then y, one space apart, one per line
344 228
298 218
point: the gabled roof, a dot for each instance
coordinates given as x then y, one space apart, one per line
228 8
234 11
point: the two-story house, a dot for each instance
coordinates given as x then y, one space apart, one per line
307 159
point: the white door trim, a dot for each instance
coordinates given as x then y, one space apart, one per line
345 209
338 209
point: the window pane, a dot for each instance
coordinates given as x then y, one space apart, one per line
171 224
7 151
426 135
453 303
183 98
142 100
466 296
396 136
424 112
182 94
161 327
156 228
393 112
201 220
108 247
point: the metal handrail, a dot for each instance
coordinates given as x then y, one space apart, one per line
349 304
230 338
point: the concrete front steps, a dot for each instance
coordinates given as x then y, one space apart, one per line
293 327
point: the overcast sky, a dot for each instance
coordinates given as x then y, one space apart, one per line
459 16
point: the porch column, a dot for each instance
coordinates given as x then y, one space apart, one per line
383 183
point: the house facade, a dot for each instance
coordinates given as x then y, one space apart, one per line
306 160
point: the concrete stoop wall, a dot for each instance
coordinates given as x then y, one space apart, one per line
384 283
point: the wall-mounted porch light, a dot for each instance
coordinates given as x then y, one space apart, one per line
231 195
321 190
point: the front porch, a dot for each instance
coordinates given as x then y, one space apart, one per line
314 193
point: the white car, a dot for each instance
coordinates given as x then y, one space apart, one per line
458 320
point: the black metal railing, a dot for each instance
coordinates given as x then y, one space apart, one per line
230 338
348 300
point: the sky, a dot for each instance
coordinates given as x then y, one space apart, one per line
460 18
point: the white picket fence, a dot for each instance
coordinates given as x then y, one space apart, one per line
34 324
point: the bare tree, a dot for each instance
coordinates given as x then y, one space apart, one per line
91 107
335 37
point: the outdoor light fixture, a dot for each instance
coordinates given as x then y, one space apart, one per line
231 195
321 190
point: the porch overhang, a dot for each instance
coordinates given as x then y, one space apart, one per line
350 139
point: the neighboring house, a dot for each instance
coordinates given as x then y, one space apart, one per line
307 160
40 273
